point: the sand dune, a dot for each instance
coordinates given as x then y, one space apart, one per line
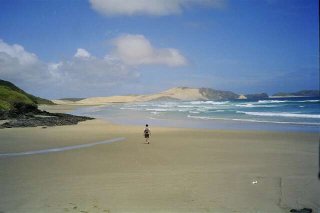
178 93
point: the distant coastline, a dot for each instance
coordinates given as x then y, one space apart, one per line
21 108
293 96
184 94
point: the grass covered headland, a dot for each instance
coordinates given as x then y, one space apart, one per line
20 109
11 94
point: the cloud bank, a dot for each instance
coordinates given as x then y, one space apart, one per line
150 7
137 50
83 73
16 51
82 53
17 63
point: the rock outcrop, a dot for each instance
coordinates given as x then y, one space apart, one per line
259 96
28 115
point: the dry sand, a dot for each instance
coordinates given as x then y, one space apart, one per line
182 170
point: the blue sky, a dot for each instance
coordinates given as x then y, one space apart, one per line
74 48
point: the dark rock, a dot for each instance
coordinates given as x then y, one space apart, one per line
259 96
28 115
56 119
304 210
3 114
23 110
20 110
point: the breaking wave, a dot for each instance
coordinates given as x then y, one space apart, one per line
253 120
280 114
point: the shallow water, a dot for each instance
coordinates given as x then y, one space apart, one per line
292 114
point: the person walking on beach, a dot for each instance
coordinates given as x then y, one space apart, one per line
147 134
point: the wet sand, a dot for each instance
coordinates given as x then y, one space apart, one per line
182 170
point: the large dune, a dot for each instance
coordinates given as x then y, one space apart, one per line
177 93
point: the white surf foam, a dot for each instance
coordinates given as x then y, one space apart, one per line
251 105
155 113
159 110
280 114
130 108
194 112
271 101
312 101
252 120
209 102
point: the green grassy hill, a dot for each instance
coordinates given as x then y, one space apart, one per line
10 94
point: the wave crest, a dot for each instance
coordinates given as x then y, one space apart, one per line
280 114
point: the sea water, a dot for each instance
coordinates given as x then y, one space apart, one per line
290 114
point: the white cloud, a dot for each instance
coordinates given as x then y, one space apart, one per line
18 64
82 53
18 53
150 7
84 74
137 50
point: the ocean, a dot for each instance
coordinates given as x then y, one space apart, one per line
290 114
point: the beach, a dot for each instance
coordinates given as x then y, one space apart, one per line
228 88
181 170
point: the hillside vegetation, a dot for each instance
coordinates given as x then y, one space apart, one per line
217 95
303 93
11 94
19 109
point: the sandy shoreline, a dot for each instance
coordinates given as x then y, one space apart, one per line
182 170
